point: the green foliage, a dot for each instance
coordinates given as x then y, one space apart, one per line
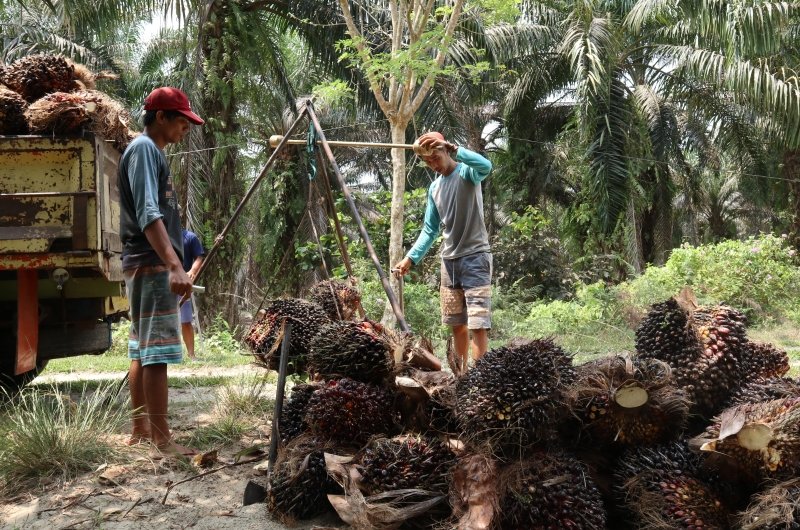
332 94
498 11
220 340
45 435
528 255
119 339
758 275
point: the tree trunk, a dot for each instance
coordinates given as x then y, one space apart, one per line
396 251
791 171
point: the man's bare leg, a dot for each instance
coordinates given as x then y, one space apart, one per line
188 338
480 342
157 396
141 423
461 342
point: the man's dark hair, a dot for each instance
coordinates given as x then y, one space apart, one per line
150 115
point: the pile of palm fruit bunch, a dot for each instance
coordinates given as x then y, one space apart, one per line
525 439
266 334
708 351
50 94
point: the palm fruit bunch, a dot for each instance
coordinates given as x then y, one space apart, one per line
266 333
775 508
549 491
338 299
766 390
661 488
624 401
405 462
349 349
723 338
763 361
35 76
293 422
58 113
299 485
666 334
350 411
441 409
12 112
512 397
761 440
703 346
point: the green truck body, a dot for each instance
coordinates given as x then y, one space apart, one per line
61 282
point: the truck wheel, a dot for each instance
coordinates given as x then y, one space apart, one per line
11 384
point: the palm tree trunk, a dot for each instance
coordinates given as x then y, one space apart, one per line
791 171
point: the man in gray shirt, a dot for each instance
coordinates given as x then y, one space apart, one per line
455 202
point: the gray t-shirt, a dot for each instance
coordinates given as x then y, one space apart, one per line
455 202
146 195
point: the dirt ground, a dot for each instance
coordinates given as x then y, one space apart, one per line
130 495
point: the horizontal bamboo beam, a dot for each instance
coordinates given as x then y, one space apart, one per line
276 139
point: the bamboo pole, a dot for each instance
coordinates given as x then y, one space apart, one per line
276 139
221 237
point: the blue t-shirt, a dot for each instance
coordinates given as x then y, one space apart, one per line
192 249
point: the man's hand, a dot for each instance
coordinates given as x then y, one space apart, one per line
432 143
179 282
402 267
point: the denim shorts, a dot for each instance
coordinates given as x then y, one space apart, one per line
186 310
466 291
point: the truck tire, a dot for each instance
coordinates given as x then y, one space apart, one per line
10 384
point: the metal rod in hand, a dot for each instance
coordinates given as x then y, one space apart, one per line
398 312
219 239
276 415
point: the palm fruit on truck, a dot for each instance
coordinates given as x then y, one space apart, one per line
35 76
513 396
766 390
549 491
350 411
293 422
760 440
266 333
622 401
299 485
12 112
338 299
777 507
349 349
405 462
664 488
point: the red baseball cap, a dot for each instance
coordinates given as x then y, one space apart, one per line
168 98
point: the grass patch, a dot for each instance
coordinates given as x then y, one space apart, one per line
47 436
240 406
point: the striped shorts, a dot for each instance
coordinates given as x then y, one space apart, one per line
155 335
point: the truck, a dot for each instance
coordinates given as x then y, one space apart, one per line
61 285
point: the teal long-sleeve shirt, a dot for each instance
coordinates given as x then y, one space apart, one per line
455 203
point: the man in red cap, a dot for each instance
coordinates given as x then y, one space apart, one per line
152 263
455 202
